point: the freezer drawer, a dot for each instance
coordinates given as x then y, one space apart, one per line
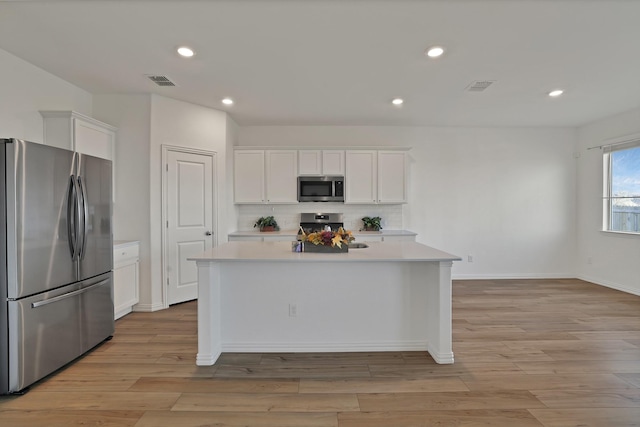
49 330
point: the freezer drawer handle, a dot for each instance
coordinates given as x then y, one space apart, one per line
68 294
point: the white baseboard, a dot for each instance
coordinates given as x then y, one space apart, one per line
616 286
207 359
440 358
513 276
295 347
148 307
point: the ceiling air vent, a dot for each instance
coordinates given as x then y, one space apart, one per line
160 80
479 85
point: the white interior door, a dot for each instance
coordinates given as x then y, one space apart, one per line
189 211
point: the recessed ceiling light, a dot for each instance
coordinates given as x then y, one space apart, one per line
186 52
397 101
227 101
434 52
556 92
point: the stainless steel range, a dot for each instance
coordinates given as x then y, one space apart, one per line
312 222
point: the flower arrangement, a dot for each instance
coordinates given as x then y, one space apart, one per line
329 238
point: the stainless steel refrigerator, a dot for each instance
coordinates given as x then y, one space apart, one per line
56 255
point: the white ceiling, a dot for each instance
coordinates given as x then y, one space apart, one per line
340 62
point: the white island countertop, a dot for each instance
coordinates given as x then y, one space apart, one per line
281 252
294 233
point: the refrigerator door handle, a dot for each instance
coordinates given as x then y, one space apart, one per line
84 214
72 230
68 294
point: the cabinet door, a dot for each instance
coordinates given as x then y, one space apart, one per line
309 162
248 176
126 267
84 134
92 139
333 162
392 177
360 176
125 288
282 174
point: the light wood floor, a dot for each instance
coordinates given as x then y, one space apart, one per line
528 353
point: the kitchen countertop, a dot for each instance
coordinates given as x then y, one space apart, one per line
119 244
281 251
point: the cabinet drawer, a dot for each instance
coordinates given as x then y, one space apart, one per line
125 253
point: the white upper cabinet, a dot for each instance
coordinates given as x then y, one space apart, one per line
77 132
310 162
282 176
261 176
270 176
360 176
333 162
376 177
248 176
392 177
321 162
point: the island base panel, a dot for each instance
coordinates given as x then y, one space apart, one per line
383 306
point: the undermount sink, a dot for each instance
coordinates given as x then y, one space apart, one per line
358 245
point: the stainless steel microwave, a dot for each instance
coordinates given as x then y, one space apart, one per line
321 188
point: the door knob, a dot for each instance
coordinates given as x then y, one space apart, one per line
208 233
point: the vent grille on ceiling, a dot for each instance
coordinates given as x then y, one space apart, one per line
479 85
160 80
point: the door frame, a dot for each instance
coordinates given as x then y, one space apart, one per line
165 200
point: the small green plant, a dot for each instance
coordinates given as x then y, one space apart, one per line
266 222
372 223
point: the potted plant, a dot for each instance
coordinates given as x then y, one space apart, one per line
372 223
266 223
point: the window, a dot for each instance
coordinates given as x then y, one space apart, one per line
622 187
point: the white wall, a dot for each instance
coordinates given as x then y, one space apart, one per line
506 196
614 257
146 123
229 208
178 123
131 114
26 89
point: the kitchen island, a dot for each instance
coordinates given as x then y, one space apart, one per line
262 297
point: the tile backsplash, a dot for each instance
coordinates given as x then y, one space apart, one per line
288 216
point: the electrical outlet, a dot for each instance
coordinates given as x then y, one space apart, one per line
293 310
470 258
589 260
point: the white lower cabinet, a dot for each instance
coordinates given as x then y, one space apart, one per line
126 263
